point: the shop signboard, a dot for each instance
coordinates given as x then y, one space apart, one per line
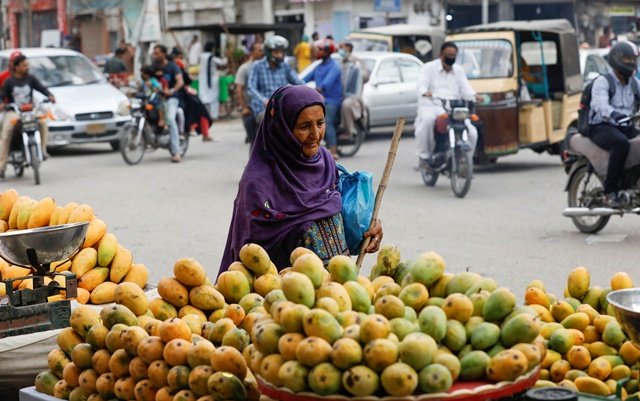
388 6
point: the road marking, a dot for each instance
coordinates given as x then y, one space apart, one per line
605 239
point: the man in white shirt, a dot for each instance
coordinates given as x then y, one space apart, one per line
440 79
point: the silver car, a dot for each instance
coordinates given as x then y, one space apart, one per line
390 92
88 109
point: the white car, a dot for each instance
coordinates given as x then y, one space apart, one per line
390 92
88 109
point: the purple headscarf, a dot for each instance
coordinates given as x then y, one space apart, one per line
282 192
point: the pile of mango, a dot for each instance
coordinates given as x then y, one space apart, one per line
588 350
413 329
100 265
127 352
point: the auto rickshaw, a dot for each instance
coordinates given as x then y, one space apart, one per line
420 41
528 76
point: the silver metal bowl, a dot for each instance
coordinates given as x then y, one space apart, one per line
51 244
626 304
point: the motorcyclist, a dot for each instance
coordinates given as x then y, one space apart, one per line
268 74
440 78
18 89
328 79
606 112
353 77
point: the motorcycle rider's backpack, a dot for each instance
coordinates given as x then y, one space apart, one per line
584 112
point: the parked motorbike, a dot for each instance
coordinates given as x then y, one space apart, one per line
586 165
26 143
143 133
451 156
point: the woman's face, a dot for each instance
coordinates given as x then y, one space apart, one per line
309 129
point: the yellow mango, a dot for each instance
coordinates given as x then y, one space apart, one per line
630 353
4 226
104 293
55 216
84 261
25 212
536 296
96 230
7 200
61 266
63 218
578 282
13 216
13 272
93 278
81 213
42 212
620 281
138 274
591 385
189 272
83 296
107 248
121 264
543 313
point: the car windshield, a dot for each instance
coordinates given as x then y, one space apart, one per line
371 45
64 70
483 59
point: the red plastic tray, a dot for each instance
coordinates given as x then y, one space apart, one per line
460 391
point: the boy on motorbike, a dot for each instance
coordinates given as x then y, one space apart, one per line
440 78
18 89
607 111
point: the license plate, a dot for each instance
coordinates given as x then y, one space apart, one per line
95 129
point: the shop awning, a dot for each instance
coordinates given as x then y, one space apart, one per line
238 28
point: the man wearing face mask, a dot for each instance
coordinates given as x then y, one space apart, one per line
353 77
328 79
440 79
609 105
268 74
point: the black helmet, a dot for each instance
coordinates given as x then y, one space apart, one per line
275 43
618 53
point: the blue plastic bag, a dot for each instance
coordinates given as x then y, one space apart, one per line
358 202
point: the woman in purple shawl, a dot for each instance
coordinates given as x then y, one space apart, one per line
287 195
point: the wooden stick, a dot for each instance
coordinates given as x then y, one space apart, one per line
391 157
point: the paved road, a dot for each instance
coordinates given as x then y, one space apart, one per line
509 226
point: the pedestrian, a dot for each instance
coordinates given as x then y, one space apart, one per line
244 98
115 64
287 196
608 38
328 78
178 57
353 77
302 53
208 82
175 82
194 50
315 36
269 74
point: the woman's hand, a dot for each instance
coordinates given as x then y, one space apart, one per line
376 237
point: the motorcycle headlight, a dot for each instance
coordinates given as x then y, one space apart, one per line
124 108
60 114
460 113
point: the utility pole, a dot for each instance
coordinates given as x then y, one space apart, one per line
27 23
485 11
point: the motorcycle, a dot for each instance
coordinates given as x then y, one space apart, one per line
25 150
586 166
451 156
143 133
349 142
